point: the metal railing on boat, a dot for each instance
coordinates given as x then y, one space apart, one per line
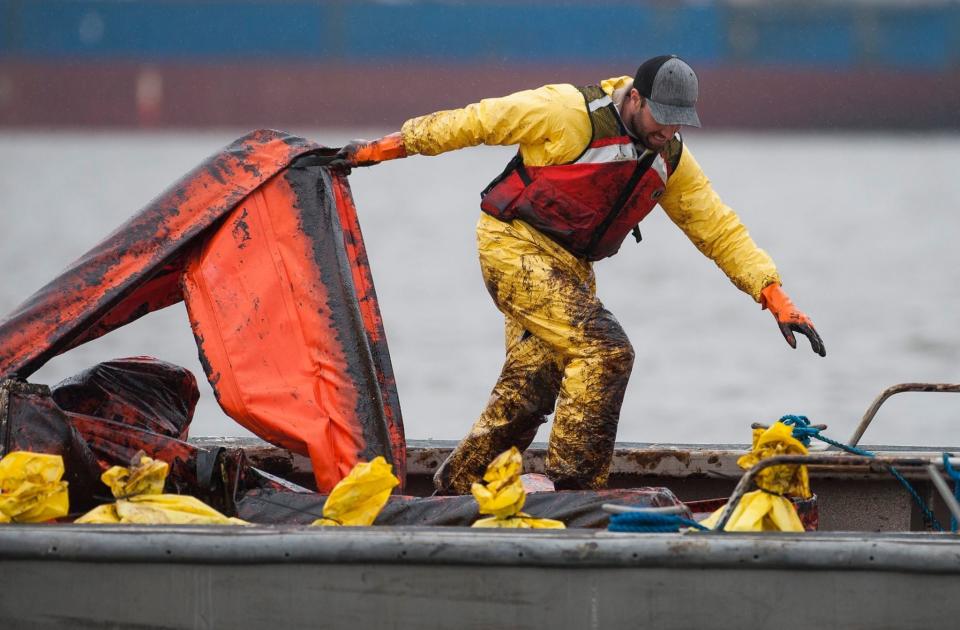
942 388
932 466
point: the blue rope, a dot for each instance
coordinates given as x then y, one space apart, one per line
802 431
650 522
955 475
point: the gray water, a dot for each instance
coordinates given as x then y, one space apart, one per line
863 228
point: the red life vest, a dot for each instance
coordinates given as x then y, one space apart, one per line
589 205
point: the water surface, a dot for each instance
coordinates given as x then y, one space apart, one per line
863 228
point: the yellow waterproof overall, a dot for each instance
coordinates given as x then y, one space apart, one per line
563 346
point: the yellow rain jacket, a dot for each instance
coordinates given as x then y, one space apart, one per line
551 125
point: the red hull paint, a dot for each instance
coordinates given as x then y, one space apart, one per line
261 94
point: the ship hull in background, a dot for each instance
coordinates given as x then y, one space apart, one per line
135 94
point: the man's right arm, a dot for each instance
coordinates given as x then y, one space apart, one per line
526 118
550 124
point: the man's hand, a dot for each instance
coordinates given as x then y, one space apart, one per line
369 152
790 318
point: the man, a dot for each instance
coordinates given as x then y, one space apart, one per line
592 163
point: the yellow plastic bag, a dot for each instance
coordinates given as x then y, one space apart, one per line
158 509
31 490
146 477
503 496
521 520
138 491
759 511
778 440
358 498
768 509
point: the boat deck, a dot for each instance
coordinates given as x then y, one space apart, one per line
850 499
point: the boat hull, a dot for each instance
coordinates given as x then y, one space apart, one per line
183 577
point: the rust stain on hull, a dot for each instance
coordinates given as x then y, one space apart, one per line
649 460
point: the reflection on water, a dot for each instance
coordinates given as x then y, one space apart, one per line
863 228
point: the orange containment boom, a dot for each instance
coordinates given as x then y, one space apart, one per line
270 261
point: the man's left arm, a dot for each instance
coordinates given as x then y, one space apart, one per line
716 230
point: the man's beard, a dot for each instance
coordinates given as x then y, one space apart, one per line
647 141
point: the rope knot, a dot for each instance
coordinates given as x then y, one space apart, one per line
802 431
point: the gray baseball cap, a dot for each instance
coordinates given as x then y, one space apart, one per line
671 88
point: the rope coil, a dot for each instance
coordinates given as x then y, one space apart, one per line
650 522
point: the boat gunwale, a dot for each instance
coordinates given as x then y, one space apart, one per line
677 461
927 553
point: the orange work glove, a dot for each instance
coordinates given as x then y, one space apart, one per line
370 152
790 318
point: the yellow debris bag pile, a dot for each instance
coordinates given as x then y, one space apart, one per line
503 495
358 498
140 499
769 509
31 490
